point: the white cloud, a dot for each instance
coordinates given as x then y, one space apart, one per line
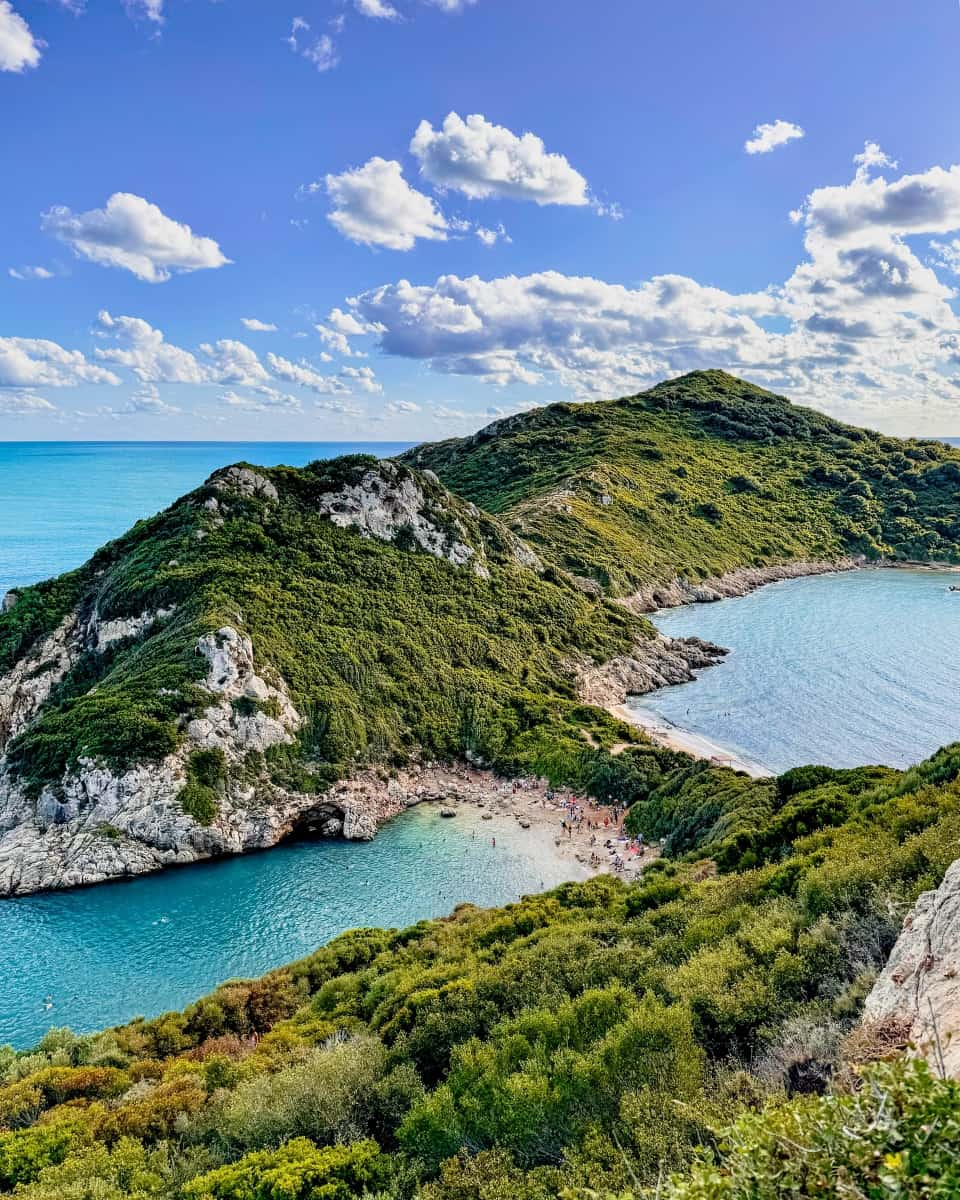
36 362
321 51
303 375
490 237
151 10
236 363
19 49
145 402
362 379
403 406
873 158
346 323
861 326
947 255
30 273
144 351
481 159
256 326
769 136
375 206
377 8
266 399
136 236
450 6
19 403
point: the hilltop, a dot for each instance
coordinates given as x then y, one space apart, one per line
701 476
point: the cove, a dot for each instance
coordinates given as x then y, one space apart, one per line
108 953
843 670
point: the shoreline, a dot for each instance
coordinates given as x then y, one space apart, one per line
675 737
733 584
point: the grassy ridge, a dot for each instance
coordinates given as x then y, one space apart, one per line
699 476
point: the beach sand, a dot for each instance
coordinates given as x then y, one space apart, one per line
521 811
665 733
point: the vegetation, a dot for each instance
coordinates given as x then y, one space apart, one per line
701 475
595 1039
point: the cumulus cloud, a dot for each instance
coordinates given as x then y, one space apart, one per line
403 406
377 8
19 49
36 362
233 362
361 379
770 135
303 375
130 233
872 158
30 273
450 6
481 159
144 351
375 206
861 322
256 326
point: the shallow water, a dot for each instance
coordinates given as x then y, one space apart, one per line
108 953
844 669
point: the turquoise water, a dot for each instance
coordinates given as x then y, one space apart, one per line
112 952
60 501
837 669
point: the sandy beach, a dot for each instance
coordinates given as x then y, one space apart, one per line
530 810
665 733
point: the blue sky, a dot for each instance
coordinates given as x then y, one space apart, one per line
577 217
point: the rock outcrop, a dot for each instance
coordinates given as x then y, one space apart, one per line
920 986
98 824
656 663
387 502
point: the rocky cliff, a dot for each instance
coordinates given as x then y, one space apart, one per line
919 989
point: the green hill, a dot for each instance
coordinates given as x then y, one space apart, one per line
699 476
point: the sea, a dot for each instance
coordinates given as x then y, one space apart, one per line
842 669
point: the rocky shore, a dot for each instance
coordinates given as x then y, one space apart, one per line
740 582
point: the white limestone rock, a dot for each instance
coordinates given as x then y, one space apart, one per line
920 985
244 482
380 505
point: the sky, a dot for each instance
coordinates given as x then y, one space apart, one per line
403 219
